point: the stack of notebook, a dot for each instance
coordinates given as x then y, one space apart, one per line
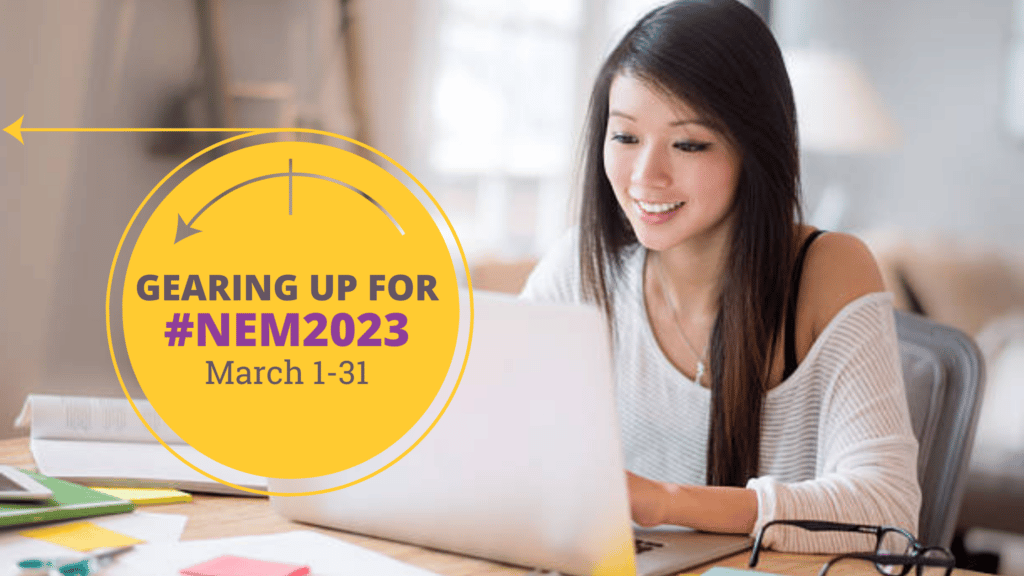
69 501
102 442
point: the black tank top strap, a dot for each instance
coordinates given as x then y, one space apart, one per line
790 343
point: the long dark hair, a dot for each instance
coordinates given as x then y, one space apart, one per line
719 57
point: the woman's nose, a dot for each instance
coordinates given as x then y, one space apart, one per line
650 168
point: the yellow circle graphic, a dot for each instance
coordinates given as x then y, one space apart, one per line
290 309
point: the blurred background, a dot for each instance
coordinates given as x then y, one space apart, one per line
912 124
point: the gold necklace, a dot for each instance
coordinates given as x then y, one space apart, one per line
670 301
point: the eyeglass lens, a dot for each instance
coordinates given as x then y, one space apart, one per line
894 542
939 556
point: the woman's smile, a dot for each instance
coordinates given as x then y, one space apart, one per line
657 212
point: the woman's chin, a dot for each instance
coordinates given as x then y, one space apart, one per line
656 241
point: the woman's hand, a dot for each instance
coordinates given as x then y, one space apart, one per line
648 500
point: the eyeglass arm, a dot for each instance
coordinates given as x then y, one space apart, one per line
812 525
892 560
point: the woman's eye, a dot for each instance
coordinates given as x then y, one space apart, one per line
688 146
623 138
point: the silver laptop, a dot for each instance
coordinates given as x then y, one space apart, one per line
525 467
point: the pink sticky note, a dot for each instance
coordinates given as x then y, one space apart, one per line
235 566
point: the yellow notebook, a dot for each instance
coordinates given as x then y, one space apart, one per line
143 496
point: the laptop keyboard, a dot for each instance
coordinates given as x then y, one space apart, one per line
642 546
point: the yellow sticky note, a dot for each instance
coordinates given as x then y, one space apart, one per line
143 496
81 536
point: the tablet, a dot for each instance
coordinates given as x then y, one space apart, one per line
16 485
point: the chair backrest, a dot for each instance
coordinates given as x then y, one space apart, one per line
944 375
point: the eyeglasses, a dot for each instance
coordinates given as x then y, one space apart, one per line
896 550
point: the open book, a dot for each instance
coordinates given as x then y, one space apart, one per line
101 441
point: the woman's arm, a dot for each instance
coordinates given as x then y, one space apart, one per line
866 470
867 458
709 508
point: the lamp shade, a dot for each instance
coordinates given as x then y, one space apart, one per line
838 110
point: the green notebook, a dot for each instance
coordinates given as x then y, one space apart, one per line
69 501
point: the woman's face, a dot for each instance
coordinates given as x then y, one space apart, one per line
673 174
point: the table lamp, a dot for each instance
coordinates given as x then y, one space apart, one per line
839 113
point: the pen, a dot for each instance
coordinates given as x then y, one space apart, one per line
70 566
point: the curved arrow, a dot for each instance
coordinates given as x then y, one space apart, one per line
185 230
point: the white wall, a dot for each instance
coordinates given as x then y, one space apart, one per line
46 50
143 54
389 35
940 65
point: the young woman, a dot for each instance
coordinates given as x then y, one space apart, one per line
757 369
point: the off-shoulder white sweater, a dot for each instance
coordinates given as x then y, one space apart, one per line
836 439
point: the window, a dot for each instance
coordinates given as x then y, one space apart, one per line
509 90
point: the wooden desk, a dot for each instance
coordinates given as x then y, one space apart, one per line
223 516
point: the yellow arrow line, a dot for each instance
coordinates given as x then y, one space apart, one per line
16 130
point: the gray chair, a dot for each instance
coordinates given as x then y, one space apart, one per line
944 374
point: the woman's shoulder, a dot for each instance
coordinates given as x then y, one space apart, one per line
839 269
